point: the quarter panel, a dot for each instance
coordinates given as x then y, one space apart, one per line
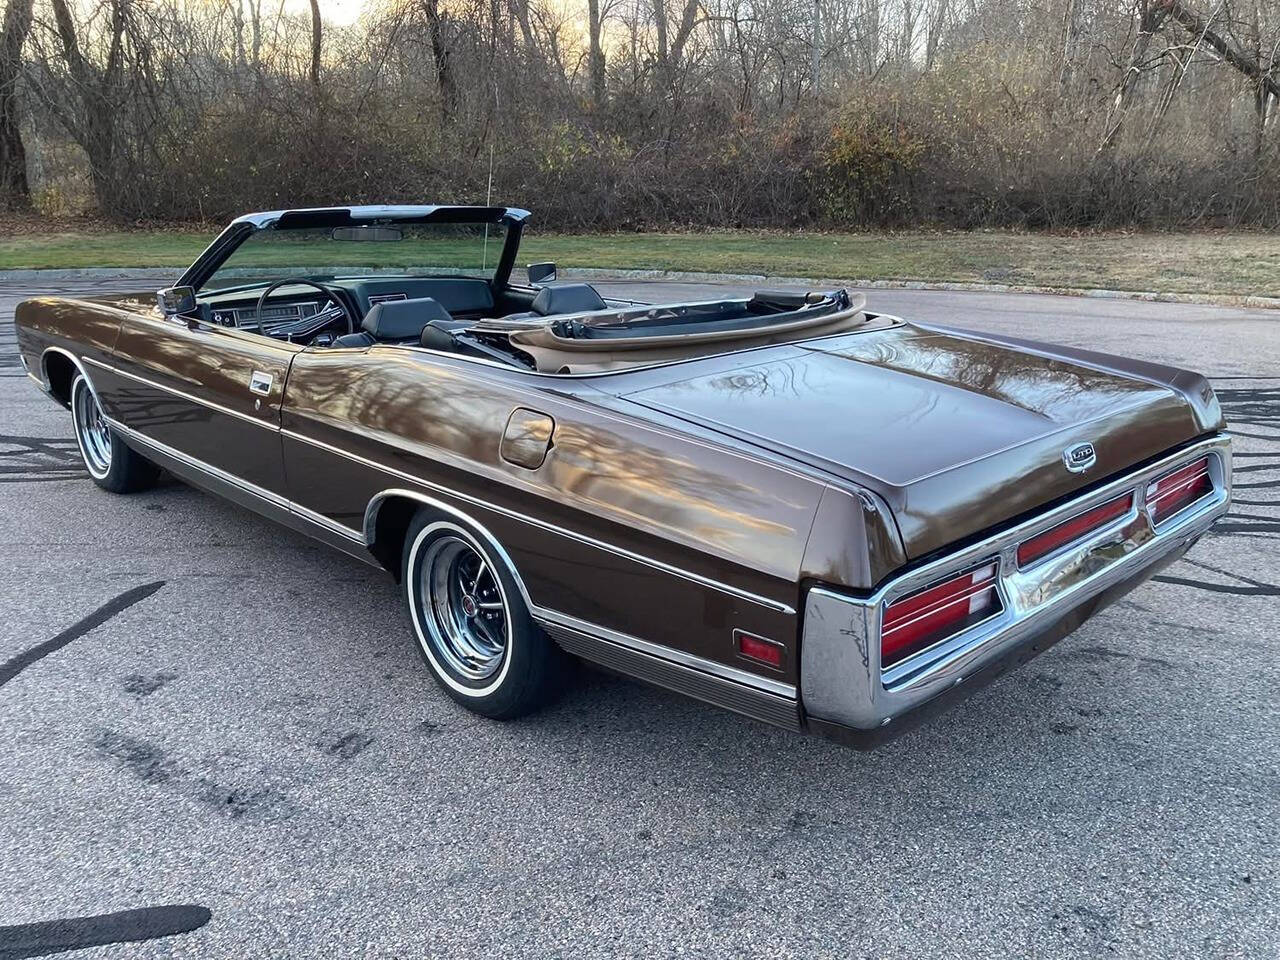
597 530
854 542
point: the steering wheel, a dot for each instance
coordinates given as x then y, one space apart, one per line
329 294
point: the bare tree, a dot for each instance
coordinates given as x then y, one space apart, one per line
671 46
1150 15
316 41
648 112
441 59
936 25
96 92
596 64
15 192
1259 67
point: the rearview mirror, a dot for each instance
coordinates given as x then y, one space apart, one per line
368 234
541 272
176 301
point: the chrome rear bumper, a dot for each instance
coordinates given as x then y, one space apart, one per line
842 683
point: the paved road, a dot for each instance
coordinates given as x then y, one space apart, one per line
256 738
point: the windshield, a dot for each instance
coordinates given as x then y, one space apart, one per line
426 249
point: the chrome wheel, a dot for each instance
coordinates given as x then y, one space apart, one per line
462 608
92 433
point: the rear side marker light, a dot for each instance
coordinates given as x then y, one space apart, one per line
1178 489
1043 544
759 649
921 619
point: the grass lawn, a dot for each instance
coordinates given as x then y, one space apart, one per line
1215 263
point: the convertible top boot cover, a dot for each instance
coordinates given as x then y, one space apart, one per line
554 353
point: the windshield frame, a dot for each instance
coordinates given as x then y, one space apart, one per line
241 229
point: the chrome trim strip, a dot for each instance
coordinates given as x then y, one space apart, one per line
542 614
475 501
75 362
513 514
549 617
320 520
777 605
371 513
841 678
248 418
261 493
658 651
371 519
749 701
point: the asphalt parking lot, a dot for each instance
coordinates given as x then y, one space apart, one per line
253 749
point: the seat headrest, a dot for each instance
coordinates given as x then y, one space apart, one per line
567 298
402 319
438 334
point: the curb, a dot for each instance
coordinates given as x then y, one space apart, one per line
1150 296
88 273
598 273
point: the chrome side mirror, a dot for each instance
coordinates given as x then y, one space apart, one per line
540 273
176 301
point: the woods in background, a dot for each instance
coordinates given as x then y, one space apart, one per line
637 113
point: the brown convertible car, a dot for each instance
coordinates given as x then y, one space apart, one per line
784 504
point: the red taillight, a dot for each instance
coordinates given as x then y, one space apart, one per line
922 619
1043 544
1179 488
760 649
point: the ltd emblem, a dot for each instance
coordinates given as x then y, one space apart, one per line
1080 457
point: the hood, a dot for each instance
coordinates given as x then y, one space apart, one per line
956 432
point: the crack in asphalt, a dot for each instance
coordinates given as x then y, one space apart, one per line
15 665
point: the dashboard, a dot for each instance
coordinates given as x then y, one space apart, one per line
300 313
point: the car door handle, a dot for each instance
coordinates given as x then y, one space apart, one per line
527 438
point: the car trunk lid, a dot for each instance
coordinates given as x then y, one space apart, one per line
957 434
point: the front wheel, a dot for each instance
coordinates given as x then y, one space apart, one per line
472 626
110 462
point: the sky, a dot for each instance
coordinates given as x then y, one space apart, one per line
332 11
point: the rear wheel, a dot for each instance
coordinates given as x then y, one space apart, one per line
111 464
471 623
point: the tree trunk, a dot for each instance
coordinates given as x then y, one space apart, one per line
660 25
872 42
936 25
595 65
1199 27
255 31
237 26
815 48
520 11
1070 45
688 20
98 96
15 191
444 67
316 41
906 37
1149 19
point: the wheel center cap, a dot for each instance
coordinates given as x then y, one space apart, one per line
469 606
